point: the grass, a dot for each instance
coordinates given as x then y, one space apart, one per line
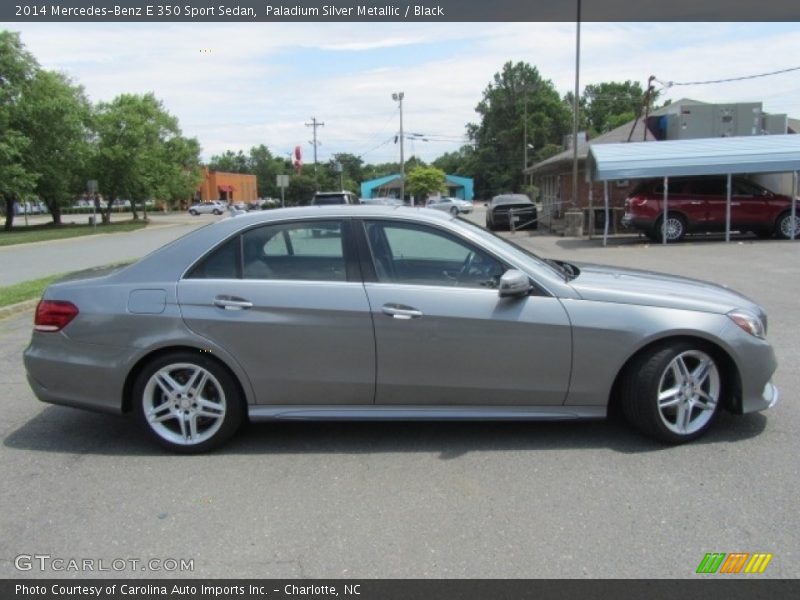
27 290
41 233
31 290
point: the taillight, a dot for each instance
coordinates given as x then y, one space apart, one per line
636 201
54 315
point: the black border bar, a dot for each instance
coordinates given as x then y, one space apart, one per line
705 587
154 11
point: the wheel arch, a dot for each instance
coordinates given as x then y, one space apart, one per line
133 373
731 378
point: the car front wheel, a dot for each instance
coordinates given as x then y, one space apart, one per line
187 402
193 213
672 393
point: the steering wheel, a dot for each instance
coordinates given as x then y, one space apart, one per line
463 273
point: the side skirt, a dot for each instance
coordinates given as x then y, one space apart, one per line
423 413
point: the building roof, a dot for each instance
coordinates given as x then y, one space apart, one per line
703 156
619 135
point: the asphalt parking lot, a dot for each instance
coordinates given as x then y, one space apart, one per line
418 500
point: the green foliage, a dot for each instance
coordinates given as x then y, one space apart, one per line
56 116
17 71
231 162
608 105
423 181
517 96
140 152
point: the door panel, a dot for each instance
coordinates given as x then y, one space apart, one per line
285 301
301 342
468 347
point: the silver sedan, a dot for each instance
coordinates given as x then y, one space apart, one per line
454 206
258 318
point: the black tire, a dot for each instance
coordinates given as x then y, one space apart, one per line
193 213
182 415
644 383
676 229
217 211
783 226
454 211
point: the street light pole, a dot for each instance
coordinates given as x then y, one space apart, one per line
398 97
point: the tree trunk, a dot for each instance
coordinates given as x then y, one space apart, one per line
133 209
55 210
9 213
106 214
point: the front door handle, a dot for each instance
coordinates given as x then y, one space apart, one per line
401 311
232 303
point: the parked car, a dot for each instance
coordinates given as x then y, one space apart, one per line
354 325
454 206
216 207
507 209
698 205
327 198
382 201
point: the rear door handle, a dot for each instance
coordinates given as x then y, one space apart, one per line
232 303
401 311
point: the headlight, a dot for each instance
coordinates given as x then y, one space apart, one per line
749 322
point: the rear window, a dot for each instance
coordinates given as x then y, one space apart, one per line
324 200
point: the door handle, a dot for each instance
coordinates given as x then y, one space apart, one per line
232 303
401 311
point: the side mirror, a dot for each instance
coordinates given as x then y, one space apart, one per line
513 284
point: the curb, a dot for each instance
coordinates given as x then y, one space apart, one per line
13 309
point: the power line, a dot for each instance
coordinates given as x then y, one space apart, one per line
668 84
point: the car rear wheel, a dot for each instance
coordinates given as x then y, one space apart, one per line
187 402
676 229
217 211
673 392
785 225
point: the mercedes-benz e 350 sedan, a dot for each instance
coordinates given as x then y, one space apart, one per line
257 318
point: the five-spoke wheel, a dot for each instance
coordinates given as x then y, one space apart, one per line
673 393
187 402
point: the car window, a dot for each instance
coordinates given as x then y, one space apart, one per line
742 187
223 263
414 254
309 250
710 186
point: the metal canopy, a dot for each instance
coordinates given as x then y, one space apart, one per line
706 156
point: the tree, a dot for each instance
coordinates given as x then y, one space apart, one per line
231 162
17 70
424 181
134 138
611 104
518 107
56 117
461 162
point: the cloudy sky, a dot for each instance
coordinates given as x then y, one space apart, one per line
237 85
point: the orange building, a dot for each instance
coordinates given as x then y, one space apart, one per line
229 187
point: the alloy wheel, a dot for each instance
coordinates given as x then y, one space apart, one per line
688 392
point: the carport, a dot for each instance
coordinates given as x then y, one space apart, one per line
707 156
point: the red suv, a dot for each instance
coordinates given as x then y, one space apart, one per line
697 205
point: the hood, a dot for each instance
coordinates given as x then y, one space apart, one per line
629 286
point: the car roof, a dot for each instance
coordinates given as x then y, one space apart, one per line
511 198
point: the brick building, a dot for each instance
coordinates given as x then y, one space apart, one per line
228 187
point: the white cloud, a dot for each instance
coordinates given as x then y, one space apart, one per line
236 85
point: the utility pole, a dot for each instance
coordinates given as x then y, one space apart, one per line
575 108
314 123
398 97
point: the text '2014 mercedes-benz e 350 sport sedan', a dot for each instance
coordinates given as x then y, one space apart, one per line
262 317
